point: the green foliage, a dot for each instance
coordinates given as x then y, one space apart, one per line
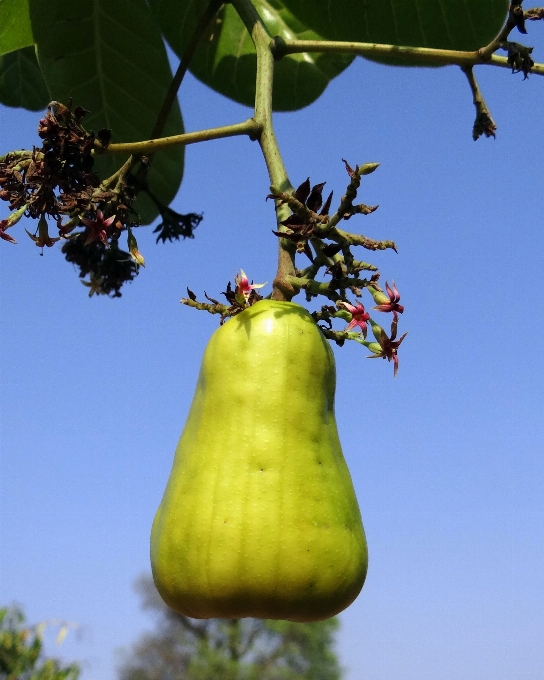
229 649
445 24
122 44
226 59
109 57
21 652
21 81
15 30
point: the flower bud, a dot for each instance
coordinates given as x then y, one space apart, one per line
379 297
367 168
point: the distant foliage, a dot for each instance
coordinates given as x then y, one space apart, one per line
21 652
229 649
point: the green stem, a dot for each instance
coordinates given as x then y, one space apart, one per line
172 93
162 117
486 52
249 127
211 308
425 55
22 154
344 238
120 174
262 124
328 289
282 289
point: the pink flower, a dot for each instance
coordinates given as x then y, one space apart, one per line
4 224
244 288
386 347
385 304
98 228
359 316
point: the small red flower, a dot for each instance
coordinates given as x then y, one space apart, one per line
385 305
4 224
244 288
43 239
386 348
359 316
98 228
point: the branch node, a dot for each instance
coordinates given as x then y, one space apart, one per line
278 48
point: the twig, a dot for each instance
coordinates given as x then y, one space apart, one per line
172 93
534 14
249 127
424 55
344 238
328 288
486 52
484 123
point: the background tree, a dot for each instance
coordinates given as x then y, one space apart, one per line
21 651
235 649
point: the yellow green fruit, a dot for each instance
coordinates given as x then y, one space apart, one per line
259 517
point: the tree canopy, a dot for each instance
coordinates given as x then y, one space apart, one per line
21 651
230 649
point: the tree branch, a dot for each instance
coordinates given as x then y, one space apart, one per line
425 55
172 93
486 52
249 127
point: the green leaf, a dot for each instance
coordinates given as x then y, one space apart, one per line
15 30
21 81
445 24
109 57
226 61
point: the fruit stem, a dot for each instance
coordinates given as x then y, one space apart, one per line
264 46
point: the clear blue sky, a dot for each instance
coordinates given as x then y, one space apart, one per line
447 460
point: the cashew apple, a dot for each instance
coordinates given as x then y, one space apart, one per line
259 517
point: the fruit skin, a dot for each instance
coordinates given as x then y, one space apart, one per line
259 517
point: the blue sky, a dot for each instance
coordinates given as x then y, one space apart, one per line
447 460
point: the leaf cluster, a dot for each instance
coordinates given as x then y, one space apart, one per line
21 652
111 59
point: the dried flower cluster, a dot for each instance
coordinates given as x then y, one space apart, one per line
519 58
107 266
57 183
175 226
56 179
